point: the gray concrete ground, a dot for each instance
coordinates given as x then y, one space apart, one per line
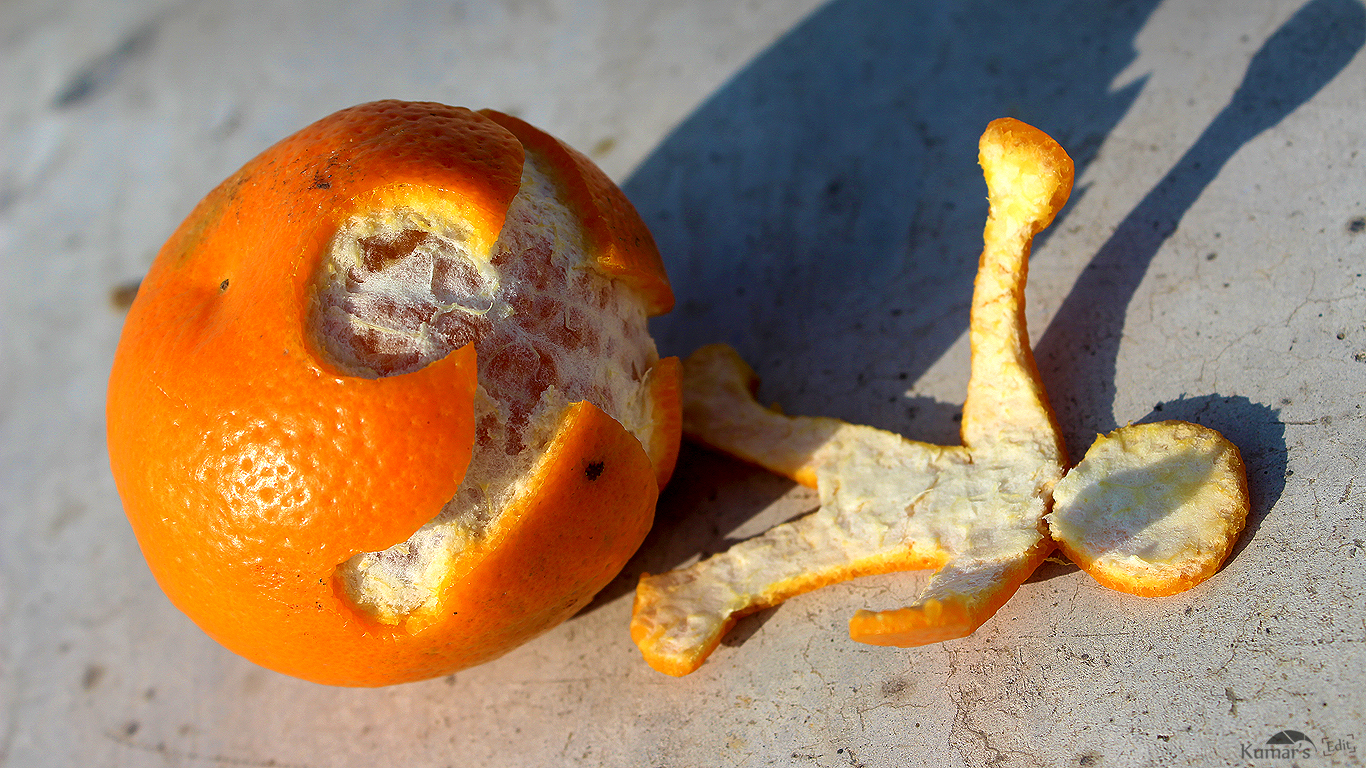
809 171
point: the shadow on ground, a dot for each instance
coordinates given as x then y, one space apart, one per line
830 192
822 213
1077 353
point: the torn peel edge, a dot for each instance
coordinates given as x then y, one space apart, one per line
1153 582
664 393
950 615
1140 585
625 250
553 549
1020 164
716 380
648 637
570 427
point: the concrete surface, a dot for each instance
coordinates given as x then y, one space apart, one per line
809 171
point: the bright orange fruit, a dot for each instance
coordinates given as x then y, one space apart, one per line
385 405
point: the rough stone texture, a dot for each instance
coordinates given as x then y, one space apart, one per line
809 171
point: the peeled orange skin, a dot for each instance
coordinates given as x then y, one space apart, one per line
250 467
974 512
1152 510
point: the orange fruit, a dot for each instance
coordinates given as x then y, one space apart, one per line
385 405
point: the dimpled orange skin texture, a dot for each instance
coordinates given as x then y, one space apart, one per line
250 467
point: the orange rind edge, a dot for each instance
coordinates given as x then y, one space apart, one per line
1199 519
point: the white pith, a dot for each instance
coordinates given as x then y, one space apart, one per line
534 301
972 511
1152 503
885 502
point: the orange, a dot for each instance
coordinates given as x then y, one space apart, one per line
385 405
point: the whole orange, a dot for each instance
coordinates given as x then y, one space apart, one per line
385 405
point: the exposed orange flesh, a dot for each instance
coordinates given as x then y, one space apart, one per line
624 246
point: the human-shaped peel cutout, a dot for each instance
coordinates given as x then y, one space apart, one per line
974 511
1153 509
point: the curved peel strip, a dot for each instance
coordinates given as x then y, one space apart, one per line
958 599
887 503
552 539
664 384
719 410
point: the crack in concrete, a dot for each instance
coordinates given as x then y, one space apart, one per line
170 753
973 698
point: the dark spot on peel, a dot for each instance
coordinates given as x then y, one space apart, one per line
1357 225
593 471
223 286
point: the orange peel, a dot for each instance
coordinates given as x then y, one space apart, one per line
1151 510
974 512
